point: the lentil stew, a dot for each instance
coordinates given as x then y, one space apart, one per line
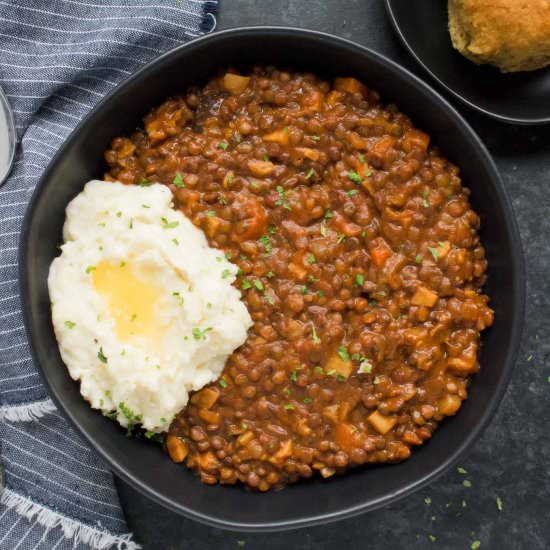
359 261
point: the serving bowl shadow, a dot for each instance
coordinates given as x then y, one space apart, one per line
142 463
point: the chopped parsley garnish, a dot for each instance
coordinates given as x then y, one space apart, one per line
211 213
259 285
432 538
361 157
425 199
352 193
461 470
319 369
270 274
467 483
131 224
264 239
343 353
316 338
90 268
354 176
359 279
340 378
283 198
293 376
308 400
475 544
427 501
199 334
272 229
246 285
323 230
222 383
226 273
304 289
418 258
320 293
229 179
176 242
329 214
289 407
237 137
178 181
145 206
118 214
433 252
312 279
364 367
316 138
168 225
340 238
144 182
70 324
223 145
222 200
266 158
102 358
179 297
228 255
122 263
311 258
310 173
499 504
270 299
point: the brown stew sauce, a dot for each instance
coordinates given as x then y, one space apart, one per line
360 265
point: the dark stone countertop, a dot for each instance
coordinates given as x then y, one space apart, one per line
511 460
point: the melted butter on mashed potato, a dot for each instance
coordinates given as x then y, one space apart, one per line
143 309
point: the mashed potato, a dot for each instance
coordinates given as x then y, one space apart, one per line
143 309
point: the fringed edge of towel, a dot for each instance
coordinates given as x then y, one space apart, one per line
72 529
209 21
27 412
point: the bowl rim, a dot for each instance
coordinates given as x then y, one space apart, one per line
536 121
518 296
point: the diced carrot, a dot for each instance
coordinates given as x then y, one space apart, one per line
176 448
424 297
443 249
350 85
332 413
278 136
261 167
417 139
297 271
357 141
210 416
381 423
381 146
313 102
379 255
235 83
346 436
334 97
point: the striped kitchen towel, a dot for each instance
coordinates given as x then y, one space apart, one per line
57 59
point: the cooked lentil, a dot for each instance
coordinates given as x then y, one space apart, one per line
360 264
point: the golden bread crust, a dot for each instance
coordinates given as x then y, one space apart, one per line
513 35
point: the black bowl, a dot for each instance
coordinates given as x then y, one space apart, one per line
141 463
515 98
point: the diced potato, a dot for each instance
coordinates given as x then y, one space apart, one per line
332 413
278 136
311 154
381 146
208 461
235 83
463 365
177 449
424 297
210 416
449 404
261 167
284 452
336 363
381 423
350 85
357 141
205 398
297 271
417 139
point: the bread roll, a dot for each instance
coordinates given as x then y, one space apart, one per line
513 35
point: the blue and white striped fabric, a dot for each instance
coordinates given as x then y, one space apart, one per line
57 59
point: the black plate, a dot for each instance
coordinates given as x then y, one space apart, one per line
522 98
141 463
